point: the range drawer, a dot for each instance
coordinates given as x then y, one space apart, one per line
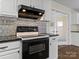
9 45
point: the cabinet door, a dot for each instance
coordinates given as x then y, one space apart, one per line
24 2
38 4
75 39
53 48
10 55
77 18
74 18
9 7
47 8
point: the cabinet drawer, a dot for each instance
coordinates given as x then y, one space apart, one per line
9 45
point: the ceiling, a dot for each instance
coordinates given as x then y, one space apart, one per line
74 4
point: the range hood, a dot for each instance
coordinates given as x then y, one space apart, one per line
30 12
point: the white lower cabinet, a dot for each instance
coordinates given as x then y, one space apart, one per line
75 39
53 48
10 50
10 55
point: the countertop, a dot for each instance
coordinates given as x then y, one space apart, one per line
50 35
15 38
75 31
53 35
8 38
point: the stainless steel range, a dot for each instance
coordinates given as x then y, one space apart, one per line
35 45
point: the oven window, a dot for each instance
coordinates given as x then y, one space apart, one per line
36 48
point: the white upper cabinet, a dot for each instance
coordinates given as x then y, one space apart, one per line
77 18
8 7
32 3
47 7
74 18
24 2
38 4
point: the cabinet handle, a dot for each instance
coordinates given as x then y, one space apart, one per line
18 51
4 47
53 38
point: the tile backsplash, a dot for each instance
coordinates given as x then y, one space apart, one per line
29 22
7 20
7 26
26 23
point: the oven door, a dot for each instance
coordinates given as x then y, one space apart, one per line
36 48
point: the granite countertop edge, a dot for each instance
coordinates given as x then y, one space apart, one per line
10 40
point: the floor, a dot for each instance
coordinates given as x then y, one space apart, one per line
68 52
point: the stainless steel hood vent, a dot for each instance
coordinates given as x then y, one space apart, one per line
30 12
